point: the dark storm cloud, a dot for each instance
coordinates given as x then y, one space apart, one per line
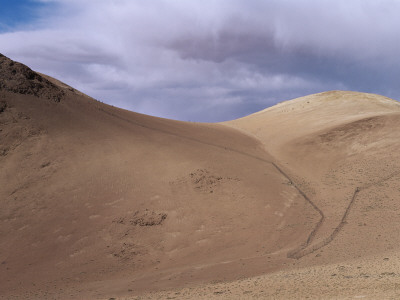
213 60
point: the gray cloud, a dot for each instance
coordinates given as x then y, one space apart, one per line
213 60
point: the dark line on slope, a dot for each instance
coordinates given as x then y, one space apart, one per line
303 249
296 253
302 252
191 138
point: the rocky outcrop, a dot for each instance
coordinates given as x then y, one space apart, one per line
18 78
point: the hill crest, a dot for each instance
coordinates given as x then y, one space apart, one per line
18 78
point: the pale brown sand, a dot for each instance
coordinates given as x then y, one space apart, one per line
299 200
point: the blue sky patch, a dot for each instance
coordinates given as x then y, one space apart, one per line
14 14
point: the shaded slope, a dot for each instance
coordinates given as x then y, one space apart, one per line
96 199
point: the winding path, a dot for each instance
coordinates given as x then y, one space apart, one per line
302 251
306 247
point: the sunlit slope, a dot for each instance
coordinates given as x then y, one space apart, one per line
299 117
343 149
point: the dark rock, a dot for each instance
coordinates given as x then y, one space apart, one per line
18 78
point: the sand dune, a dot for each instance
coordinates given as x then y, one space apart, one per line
298 200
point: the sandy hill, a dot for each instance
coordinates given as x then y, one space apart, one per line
99 202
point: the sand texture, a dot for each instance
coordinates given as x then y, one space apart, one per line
300 200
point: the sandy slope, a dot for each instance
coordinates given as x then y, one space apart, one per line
99 202
342 146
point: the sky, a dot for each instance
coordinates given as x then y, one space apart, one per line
210 60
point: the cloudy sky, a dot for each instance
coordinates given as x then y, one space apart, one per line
209 60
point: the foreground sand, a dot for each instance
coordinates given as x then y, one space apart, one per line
299 200
366 278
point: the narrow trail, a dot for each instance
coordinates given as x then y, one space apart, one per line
302 251
306 247
299 251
